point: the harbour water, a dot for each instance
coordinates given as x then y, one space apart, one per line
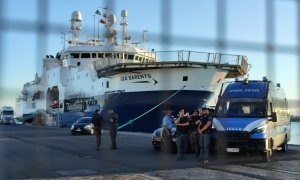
295 139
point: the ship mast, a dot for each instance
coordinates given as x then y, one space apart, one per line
124 25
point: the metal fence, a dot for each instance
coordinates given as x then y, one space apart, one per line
43 29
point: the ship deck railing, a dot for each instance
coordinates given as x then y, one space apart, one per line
237 65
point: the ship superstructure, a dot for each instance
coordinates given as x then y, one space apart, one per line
129 79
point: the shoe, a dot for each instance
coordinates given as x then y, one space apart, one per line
205 161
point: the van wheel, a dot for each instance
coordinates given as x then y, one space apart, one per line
284 146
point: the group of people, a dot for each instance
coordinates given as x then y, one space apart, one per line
191 131
97 121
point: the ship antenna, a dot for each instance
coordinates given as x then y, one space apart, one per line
124 25
98 17
63 37
75 26
144 38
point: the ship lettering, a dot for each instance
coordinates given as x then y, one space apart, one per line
137 76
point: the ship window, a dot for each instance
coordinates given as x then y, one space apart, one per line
140 59
87 75
78 63
136 58
102 84
100 55
130 56
121 55
185 78
107 84
116 56
85 55
74 55
108 55
94 55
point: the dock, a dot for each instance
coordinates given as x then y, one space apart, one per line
40 152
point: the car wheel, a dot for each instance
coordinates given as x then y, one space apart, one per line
92 132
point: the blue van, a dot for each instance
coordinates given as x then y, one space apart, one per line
252 116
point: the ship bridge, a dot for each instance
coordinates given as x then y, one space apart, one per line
235 65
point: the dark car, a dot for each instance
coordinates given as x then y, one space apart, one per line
83 126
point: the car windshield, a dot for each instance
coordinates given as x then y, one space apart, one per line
85 120
241 108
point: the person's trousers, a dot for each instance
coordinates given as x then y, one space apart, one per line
194 140
182 142
204 142
167 141
113 136
98 137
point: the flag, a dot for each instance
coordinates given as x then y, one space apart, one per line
102 21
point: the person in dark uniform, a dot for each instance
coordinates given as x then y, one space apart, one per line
113 121
167 131
194 120
204 130
182 130
97 122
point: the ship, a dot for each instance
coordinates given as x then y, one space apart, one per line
137 83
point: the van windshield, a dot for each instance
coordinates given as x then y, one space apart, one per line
241 108
8 113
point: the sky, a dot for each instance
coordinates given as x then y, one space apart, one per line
192 20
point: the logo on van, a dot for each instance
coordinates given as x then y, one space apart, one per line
234 129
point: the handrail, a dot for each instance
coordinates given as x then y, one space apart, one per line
180 56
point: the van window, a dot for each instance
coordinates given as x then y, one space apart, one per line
241 108
94 55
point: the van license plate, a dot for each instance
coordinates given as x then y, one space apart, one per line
233 150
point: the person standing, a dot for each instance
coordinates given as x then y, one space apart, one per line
167 131
113 121
204 130
182 130
97 122
194 121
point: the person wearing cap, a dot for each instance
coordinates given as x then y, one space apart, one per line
97 122
194 121
113 122
182 131
166 132
204 130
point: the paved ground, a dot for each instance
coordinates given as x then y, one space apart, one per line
45 152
